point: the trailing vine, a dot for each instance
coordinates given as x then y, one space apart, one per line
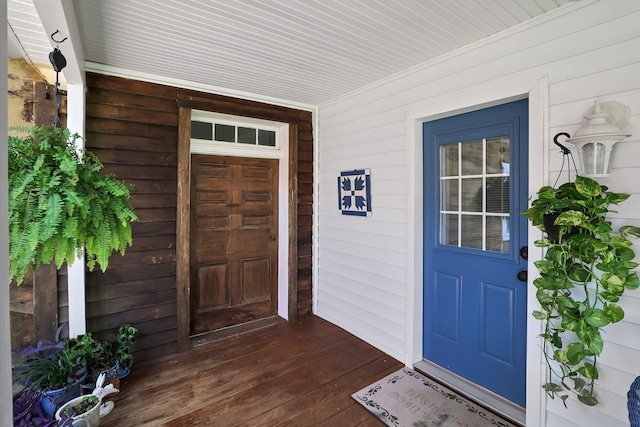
61 202
586 269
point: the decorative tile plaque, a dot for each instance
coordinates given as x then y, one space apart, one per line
354 192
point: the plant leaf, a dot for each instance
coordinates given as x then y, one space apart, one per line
575 353
589 371
630 232
598 319
615 312
632 281
589 400
587 187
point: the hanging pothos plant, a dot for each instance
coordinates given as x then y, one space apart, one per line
586 269
61 202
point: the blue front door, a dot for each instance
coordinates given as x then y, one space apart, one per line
475 307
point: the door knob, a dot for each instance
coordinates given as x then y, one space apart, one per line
522 275
524 252
272 236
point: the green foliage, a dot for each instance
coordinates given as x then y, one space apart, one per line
125 338
53 365
586 269
87 403
49 366
96 354
60 202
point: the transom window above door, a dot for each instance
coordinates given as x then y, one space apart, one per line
474 194
232 132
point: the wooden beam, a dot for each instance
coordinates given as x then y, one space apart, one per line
45 279
293 221
21 298
182 229
45 302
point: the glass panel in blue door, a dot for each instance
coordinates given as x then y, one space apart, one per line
474 188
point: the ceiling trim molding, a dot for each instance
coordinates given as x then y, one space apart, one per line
184 84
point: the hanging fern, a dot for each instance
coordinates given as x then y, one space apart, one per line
61 202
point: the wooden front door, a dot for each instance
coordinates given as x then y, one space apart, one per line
234 248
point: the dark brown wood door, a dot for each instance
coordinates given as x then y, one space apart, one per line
234 250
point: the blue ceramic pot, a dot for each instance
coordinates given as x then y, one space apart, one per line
51 400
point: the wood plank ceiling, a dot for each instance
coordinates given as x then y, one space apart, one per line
304 52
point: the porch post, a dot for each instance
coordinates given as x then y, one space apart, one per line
6 410
75 272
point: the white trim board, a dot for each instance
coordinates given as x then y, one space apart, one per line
536 91
95 67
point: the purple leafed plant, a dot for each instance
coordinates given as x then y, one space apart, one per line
28 411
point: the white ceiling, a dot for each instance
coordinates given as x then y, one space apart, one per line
303 52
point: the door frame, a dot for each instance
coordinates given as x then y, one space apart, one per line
457 103
287 209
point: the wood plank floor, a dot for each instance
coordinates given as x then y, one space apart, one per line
290 374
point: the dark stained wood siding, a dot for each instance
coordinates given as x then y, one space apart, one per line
132 126
305 216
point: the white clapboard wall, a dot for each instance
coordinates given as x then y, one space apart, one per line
589 50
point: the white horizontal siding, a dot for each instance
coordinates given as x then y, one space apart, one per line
361 264
390 287
588 52
371 240
610 412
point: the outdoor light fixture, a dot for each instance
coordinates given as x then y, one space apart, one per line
594 141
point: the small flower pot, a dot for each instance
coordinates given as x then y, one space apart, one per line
91 417
112 375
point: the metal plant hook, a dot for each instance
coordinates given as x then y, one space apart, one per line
565 153
58 61
564 149
57 41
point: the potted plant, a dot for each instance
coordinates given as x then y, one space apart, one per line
28 410
61 202
57 371
81 408
586 269
124 354
90 408
98 355
53 372
113 358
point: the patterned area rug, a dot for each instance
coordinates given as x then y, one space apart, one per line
408 399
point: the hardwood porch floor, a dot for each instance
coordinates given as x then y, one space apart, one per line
290 374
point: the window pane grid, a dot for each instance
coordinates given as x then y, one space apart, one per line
474 194
232 134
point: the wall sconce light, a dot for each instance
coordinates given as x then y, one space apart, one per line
601 129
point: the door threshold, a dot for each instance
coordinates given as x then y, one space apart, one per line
483 396
228 331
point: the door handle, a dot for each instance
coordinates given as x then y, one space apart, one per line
524 252
272 236
522 275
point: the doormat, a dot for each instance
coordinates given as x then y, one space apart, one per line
408 399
